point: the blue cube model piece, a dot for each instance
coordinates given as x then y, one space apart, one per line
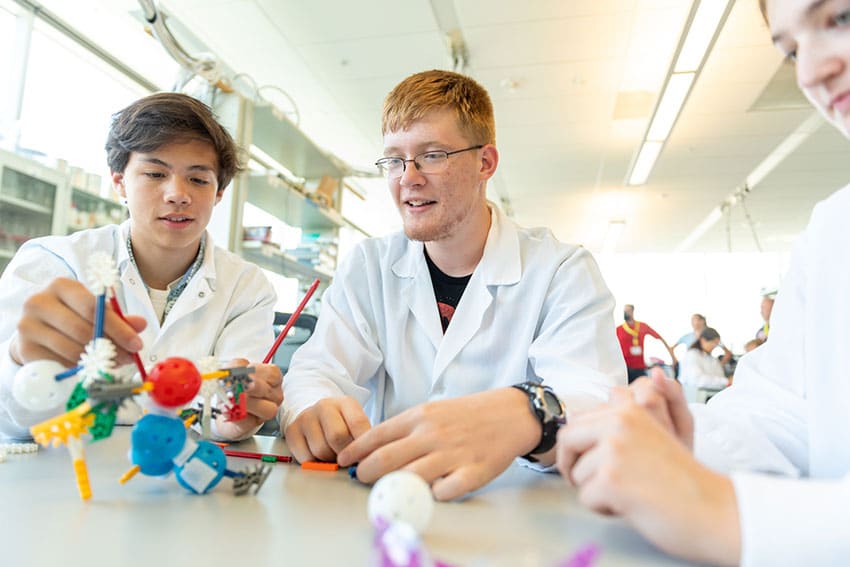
203 469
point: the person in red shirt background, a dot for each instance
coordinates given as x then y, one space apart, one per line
631 335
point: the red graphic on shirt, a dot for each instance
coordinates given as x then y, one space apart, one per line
446 314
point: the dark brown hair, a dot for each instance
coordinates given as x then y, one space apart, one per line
165 118
428 91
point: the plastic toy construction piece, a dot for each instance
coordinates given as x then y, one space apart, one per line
402 496
251 478
175 381
36 389
16 449
261 456
319 466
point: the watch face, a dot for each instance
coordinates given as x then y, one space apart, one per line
553 406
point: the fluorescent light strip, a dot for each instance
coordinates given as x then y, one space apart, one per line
612 236
784 149
674 96
645 162
762 170
701 30
700 33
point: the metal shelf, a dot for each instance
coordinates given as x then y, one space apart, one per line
280 262
26 205
290 206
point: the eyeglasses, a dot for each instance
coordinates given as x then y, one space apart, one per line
427 162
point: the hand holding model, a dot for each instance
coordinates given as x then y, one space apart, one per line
58 322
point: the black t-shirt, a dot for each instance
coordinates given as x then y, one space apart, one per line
448 291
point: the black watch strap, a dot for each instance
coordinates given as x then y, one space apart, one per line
549 413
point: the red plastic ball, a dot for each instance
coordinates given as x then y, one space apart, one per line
176 381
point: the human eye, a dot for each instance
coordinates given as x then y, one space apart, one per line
200 181
842 18
154 174
389 162
433 157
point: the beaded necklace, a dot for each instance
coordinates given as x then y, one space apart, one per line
177 289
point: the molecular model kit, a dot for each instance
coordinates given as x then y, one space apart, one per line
96 388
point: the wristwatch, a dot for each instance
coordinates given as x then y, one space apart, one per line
549 411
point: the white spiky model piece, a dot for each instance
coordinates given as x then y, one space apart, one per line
101 273
99 355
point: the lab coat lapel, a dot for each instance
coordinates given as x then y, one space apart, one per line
499 265
198 291
417 292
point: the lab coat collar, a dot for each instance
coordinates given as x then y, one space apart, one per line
202 286
500 265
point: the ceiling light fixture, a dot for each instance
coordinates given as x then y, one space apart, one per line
701 29
785 148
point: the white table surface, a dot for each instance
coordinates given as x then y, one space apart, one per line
523 518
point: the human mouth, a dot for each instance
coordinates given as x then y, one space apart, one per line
417 203
840 104
176 220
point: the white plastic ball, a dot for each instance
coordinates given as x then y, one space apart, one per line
402 496
35 387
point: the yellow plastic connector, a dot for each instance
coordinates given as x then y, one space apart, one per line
59 429
125 478
82 473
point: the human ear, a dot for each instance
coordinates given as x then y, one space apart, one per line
118 183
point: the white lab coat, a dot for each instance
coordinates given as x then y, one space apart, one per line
226 310
788 410
533 308
701 370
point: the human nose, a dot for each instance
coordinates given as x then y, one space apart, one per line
177 191
816 64
410 175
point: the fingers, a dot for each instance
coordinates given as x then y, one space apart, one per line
677 406
58 322
321 430
650 397
459 482
379 436
390 457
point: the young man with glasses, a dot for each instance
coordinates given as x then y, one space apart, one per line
464 342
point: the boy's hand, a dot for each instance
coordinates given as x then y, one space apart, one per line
324 429
625 462
457 445
58 322
264 396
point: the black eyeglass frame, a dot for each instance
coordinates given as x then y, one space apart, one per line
384 160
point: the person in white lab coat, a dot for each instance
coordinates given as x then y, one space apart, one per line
171 161
699 368
422 334
778 439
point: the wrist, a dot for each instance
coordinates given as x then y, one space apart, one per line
549 413
722 522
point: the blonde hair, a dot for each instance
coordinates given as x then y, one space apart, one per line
435 90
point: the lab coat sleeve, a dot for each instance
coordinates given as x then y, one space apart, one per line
760 422
343 352
793 522
32 268
575 350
